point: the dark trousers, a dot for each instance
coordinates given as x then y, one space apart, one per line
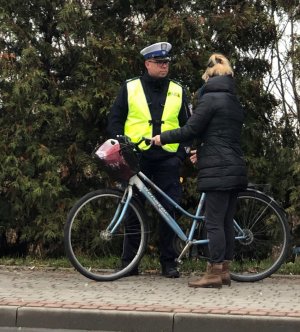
220 207
165 174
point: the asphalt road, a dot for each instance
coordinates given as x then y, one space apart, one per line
24 329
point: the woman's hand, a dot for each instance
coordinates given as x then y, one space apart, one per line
156 140
193 157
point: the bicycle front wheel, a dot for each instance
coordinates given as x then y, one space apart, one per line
96 251
266 242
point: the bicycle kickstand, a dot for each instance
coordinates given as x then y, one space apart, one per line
185 249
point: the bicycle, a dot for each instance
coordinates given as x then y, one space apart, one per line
99 223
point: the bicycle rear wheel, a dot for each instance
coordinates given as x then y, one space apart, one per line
265 247
93 250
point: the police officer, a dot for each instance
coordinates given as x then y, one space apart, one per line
144 107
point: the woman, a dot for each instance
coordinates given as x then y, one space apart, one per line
216 123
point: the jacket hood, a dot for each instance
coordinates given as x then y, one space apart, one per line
224 83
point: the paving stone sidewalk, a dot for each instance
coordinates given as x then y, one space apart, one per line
67 291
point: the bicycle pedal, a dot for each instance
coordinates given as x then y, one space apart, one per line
179 261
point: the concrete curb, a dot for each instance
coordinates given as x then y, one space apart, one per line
229 323
129 321
8 315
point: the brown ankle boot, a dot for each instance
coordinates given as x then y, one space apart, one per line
212 277
226 280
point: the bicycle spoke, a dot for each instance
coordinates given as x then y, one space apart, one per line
266 237
95 251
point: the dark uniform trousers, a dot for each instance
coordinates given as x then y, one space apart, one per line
165 174
220 207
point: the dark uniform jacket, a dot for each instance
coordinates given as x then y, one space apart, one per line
155 92
216 123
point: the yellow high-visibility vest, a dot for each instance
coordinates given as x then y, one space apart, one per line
138 123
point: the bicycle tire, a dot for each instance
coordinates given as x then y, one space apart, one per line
94 252
266 246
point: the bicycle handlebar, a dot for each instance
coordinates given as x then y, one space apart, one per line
146 140
127 140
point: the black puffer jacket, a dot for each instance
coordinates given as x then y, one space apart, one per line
216 124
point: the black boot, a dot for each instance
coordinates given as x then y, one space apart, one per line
170 270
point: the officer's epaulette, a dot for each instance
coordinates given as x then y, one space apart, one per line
132 79
176 82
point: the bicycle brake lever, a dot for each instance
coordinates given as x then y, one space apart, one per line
147 141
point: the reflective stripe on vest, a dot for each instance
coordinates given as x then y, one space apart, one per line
137 124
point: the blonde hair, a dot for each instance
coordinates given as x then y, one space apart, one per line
217 64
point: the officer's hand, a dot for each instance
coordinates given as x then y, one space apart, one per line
156 140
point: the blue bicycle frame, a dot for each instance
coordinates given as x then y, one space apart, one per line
139 181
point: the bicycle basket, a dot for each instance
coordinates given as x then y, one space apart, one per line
118 159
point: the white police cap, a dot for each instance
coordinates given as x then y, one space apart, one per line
160 50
